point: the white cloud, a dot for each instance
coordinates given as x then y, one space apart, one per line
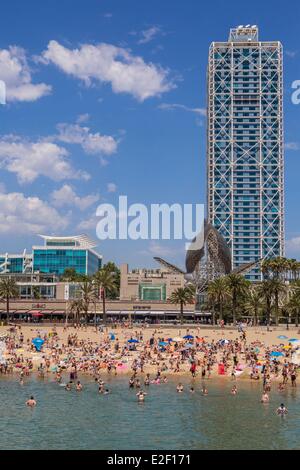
106 63
149 34
82 118
161 250
29 160
88 224
174 106
291 146
92 144
16 73
24 215
66 196
291 54
111 187
293 247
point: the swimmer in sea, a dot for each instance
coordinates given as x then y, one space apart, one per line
68 386
179 388
106 392
282 410
31 402
204 390
234 390
192 390
141 395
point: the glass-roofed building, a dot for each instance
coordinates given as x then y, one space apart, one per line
54 256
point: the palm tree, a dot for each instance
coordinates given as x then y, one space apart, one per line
88 294
253 304
105 282
294 305
76 307
182 296
70 275
279 288
271 289
238 287
265 290
218 294
8 290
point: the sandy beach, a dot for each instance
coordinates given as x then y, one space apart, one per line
93 352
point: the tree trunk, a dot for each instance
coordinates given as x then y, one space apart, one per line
276 308
268 313
95 318
221 311
213 315
103 307
7 308
255 317
181 313
234 309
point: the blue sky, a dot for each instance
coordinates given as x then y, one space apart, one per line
107 97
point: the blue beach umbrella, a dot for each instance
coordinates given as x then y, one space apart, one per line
188 337
292 340
170 339
132 340
38 343
162 343
112 337
189 345
282 337
276 354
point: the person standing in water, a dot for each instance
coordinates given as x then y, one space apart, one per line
265 397
282 410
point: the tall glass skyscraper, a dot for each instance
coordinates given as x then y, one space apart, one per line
245 146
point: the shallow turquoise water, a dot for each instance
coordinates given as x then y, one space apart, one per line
167 420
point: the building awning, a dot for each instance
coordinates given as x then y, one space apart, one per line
35 313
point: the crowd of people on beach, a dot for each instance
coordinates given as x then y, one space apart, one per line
147 361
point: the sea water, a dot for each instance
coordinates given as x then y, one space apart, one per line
167 419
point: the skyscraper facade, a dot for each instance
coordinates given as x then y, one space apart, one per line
245 146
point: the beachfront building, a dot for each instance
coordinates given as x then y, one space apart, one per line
149 284
245 146
54 256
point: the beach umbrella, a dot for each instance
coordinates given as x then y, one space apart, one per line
224 341
276 353
292 340
112 337
162 343
189 345
282 337
38 343
170 339
178 339
132 341
188 337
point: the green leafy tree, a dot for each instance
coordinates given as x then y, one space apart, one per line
253 304
183 296
238 287
105 281
113 269
218 295
87 293
8 290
